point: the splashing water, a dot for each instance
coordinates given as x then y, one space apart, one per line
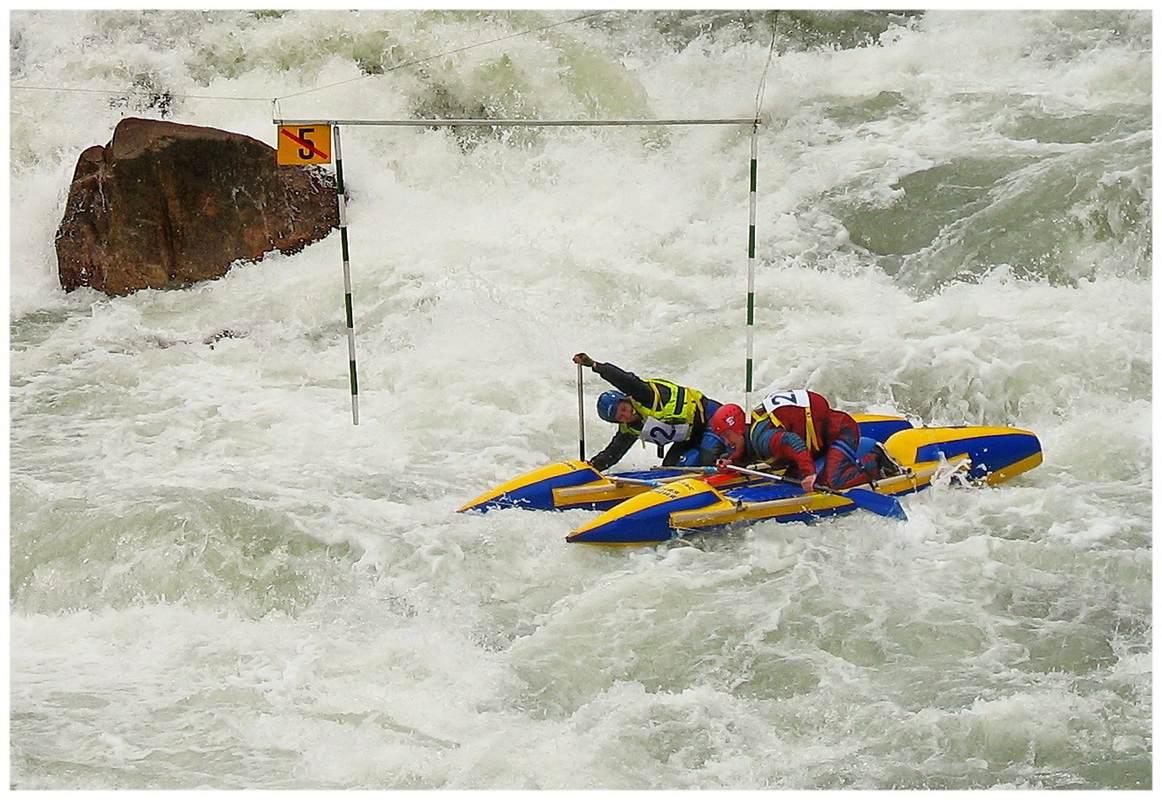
218 581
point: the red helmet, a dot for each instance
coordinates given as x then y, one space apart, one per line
728 418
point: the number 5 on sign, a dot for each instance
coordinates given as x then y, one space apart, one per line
304 144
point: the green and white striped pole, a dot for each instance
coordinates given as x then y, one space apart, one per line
754 180
750 257
346 278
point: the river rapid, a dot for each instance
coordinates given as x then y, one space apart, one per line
218 581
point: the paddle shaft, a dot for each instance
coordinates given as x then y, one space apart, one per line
757 474
580 412
882 504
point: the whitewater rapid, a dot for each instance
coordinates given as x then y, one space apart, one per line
218 581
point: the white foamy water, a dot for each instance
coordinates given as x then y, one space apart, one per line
218 581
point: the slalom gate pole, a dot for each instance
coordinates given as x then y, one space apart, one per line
750 256
754 179
580 412
342 196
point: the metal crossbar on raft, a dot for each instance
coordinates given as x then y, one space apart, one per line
336 124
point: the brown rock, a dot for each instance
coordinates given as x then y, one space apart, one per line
165 205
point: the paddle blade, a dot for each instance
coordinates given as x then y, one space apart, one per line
882 504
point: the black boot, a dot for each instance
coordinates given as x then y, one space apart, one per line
887 465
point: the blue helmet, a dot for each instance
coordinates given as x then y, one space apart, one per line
607 404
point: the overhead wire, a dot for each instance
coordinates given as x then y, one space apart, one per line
445 54
274 100
758 101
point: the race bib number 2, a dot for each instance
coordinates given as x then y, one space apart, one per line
662 433
794 397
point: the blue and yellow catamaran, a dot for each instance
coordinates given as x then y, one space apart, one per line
651 506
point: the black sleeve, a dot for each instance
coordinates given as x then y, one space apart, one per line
627 382
614 451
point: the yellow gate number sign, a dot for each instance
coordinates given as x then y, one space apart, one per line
304 144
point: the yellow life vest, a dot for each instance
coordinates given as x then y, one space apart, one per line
674 418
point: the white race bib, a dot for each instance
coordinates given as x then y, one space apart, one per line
793 397
663 433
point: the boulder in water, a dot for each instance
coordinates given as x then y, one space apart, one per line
165 205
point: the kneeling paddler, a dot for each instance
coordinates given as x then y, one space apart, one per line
799 431
656 411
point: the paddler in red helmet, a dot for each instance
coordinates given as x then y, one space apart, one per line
799 431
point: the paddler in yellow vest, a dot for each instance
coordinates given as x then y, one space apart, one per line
655 411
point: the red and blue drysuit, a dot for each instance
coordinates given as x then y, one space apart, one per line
799 431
